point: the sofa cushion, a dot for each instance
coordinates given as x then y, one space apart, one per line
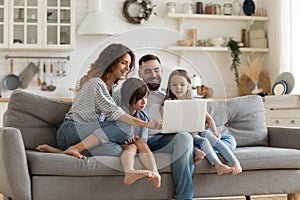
251 158
37 117
241 117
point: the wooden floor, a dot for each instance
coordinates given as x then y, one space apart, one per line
272 197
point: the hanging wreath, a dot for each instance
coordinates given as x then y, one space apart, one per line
146 9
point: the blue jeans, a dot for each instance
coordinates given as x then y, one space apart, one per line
206 141
180 146
71 133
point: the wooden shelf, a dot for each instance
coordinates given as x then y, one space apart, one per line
215 49
218 17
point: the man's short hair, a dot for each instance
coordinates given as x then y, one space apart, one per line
148 57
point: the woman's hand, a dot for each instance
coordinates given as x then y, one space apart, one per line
155 124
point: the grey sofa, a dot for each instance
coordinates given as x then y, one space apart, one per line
270 157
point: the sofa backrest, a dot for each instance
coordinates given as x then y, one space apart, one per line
37 117
241 117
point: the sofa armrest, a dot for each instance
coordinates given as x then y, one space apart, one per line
284 137
14 174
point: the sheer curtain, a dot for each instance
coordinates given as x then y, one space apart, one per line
290 40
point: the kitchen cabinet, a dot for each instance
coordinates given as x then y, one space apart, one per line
3 107
36 25
249 20
3 24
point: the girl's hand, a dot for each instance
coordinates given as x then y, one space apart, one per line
217 134
155 124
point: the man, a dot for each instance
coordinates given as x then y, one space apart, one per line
179 145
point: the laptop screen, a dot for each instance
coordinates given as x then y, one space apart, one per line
184 115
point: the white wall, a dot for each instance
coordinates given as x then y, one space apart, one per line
153 37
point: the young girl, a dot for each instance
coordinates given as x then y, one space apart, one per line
179 84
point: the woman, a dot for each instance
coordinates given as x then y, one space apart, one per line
94 112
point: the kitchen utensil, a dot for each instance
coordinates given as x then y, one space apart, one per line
11 81
44 84
51 87
27 75
38 81
61 71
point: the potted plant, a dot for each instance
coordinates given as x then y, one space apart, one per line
234 47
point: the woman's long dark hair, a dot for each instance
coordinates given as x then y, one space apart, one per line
106 63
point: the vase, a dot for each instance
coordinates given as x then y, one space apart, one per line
256 90
248 7
236 7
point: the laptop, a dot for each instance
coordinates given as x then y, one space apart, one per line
184 115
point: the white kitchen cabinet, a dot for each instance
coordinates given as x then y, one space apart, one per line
59 26
36 25
247 19
3 23
3 107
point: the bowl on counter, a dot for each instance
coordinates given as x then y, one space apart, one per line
216 41
184 42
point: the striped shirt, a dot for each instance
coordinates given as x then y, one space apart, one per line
93 102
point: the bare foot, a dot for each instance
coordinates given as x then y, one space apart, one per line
155 179
74 152
198 156
237 168
223 169
134 175
48 148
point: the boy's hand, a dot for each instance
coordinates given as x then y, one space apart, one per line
155 124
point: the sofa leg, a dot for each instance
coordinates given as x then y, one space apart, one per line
248 197
295 196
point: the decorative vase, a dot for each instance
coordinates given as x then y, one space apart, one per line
256 90
249 7
236 7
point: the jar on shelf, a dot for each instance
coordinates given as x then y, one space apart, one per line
171 7
199 7
210 9
187 8
218 9
236 7
227 9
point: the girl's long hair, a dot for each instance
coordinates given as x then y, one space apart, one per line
180 72
106 63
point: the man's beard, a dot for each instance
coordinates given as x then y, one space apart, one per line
153 86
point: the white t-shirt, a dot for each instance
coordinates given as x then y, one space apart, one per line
155 100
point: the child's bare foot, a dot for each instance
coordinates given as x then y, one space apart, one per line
74 152
134 175
47 148
237 168
198 156
155 179
223 169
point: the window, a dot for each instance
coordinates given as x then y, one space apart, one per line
290 39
